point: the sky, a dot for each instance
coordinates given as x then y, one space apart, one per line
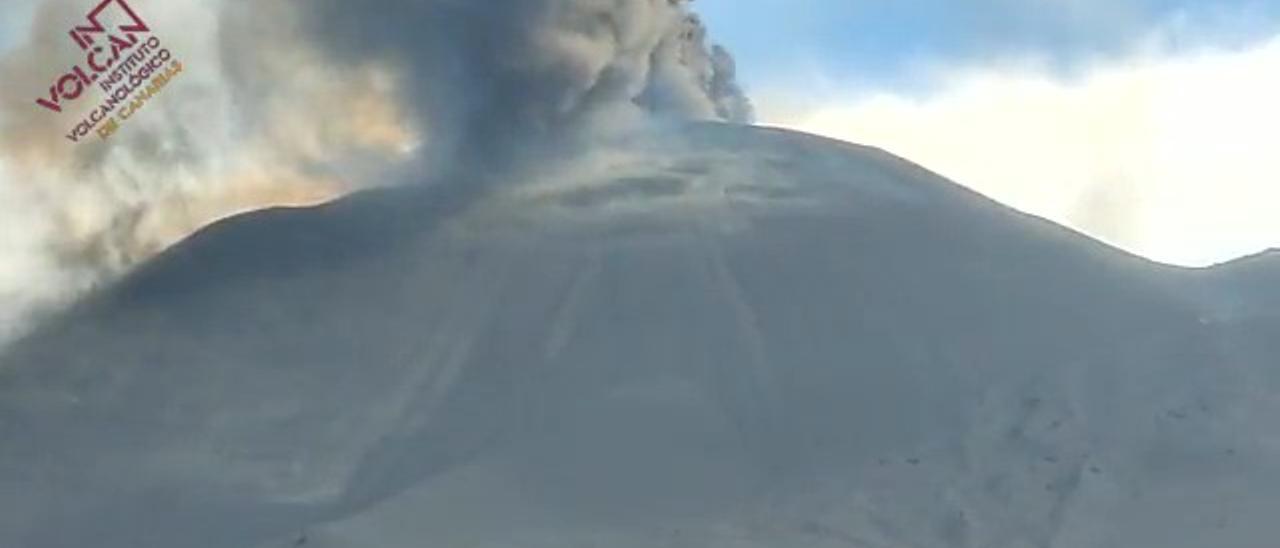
1149 124
14 23
884 41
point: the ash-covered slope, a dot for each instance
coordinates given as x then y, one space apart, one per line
726 337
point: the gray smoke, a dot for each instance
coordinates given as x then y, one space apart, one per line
491 78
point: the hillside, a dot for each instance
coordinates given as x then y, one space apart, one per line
727 336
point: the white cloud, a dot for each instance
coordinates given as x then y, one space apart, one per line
1173 157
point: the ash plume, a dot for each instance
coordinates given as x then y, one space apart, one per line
488 79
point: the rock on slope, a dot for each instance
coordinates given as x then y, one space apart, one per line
728 337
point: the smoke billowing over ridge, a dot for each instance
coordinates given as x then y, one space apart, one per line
290 102
487 77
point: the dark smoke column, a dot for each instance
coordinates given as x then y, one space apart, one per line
489 76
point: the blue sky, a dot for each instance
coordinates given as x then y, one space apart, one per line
880 42
14 18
